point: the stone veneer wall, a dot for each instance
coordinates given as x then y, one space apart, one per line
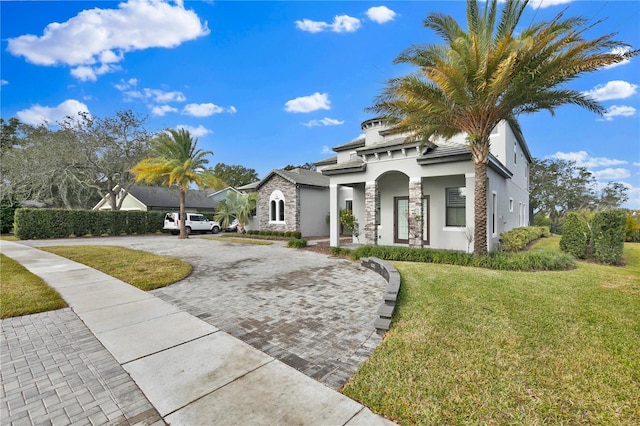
370 228
415 212
291 216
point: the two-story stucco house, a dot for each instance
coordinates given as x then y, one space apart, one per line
422 195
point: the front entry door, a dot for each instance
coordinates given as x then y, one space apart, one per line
401 220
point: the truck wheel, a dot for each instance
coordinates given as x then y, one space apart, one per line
188 230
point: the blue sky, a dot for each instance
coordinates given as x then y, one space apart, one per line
265 84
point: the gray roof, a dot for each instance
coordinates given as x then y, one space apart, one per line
445 153
163 197
330 160
299 177
352 166
397 143
357 143
249 187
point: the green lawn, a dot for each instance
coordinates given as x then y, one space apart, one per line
144 270
22 292
475 346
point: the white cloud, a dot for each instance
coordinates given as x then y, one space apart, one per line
612 174
341 23
126 85
619 111
205 110
156 95
3 82
583 159
636 164
161 110
381 14
535 4
616 89
197 132
308 103
37 114
619 51
326 150
324 122
95 39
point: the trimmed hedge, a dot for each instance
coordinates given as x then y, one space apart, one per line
541 260
517 239
575 236
608 230
60 223
286 234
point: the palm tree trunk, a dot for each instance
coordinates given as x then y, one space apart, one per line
480 209
183 214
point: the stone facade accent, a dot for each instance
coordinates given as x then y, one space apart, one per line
291 205
415 212
370 227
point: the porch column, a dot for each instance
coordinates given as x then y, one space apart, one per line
334 216
415 212
370 228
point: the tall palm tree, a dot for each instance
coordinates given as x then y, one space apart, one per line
490 73
177 162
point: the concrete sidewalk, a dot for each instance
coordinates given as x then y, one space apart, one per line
190 371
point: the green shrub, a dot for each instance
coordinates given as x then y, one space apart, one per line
633 229
287 234
60 223
517 239
7 212
297 243
296 234
608 229
575 236
340 251
524 261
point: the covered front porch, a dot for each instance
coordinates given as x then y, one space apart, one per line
396 209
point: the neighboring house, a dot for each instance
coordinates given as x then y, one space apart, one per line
293 200
423 196
147 198
221 195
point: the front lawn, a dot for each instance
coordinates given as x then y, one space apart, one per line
144 270
22 292
476 346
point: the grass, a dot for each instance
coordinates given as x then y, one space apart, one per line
24 293
240 240
141 269
476 346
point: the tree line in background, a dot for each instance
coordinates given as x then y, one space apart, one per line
79 161
558 187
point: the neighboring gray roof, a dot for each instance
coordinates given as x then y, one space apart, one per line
249 187
352 166
299 177
358 143
330 160
160 196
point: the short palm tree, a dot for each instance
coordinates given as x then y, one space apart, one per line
490 73
236 206
177 163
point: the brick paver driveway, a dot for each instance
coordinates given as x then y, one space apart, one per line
309 310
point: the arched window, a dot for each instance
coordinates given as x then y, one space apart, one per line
276 206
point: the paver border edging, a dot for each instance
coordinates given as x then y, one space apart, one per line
388 306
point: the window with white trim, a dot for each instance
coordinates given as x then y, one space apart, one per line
456 201
276 206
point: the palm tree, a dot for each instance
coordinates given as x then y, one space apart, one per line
177 162
236 206
490 73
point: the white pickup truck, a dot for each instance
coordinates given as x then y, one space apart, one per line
195 223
